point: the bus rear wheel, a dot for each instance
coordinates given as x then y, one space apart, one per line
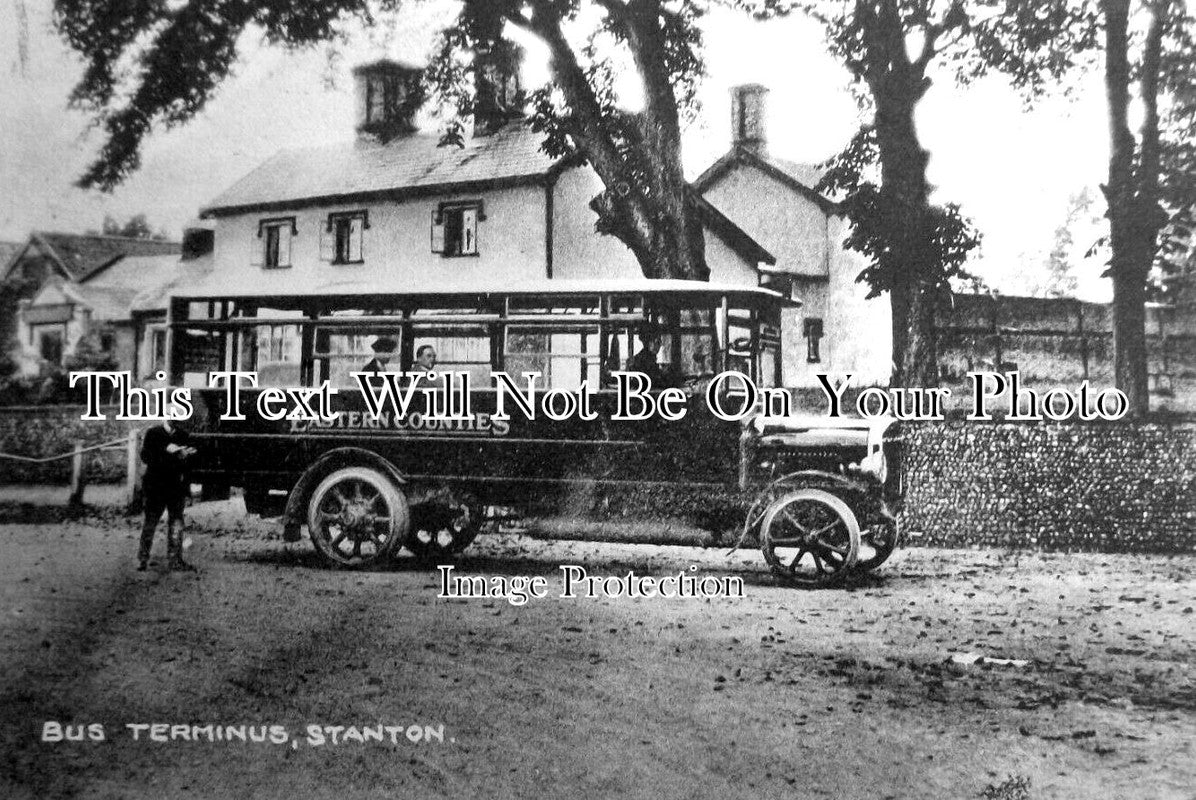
356 517
443 525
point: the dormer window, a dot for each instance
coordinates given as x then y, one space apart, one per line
342 239
275 235
455 228
388 95
384 96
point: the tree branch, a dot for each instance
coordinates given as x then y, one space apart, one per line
589 130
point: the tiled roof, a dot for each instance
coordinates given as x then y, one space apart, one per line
185 275
83 255
136 272
806 174
409 163
136 283
108 303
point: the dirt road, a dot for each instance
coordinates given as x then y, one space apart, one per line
849 693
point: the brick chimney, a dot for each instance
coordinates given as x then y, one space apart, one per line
389 93
747 118
498 88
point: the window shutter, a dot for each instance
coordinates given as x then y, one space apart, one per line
437 234
327 243
284 245
469 231
355 228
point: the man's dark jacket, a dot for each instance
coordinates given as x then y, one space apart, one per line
165 473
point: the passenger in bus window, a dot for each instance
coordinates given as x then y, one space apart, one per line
645 360
702 375
384 348
425 363
425 358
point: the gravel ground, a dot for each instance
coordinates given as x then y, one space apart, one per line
781 693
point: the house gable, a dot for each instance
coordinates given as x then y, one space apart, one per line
51 293
798 178
790 224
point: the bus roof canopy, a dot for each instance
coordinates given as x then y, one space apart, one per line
214 287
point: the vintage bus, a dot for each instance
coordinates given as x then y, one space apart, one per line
819 496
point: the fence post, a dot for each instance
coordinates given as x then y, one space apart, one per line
132 470
78 480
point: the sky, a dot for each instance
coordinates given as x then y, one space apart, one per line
1011 169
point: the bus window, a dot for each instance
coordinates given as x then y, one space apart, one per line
273 352
770 367
458 349
564 358
196 353
338 354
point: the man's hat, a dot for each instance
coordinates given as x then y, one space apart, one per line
384 344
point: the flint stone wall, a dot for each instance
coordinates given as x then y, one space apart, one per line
1108 487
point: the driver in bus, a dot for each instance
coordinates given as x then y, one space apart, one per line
384 348
645 360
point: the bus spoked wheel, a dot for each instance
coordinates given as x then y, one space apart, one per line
810 538
443 525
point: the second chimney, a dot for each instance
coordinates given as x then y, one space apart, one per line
747 118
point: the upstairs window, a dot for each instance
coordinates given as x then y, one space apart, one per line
812 330
341 242
275 236
455 228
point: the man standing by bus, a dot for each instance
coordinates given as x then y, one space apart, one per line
166 485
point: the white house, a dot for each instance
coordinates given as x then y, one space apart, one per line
835 330
394 210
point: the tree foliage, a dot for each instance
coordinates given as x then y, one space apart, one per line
1173 278
949 237
646 202
890 47
136 227
1058 277
151 63
158 64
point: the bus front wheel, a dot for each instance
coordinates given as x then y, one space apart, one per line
810 538
357 517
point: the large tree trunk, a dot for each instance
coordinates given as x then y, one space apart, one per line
1131 194
897 84
1129 338
906 199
